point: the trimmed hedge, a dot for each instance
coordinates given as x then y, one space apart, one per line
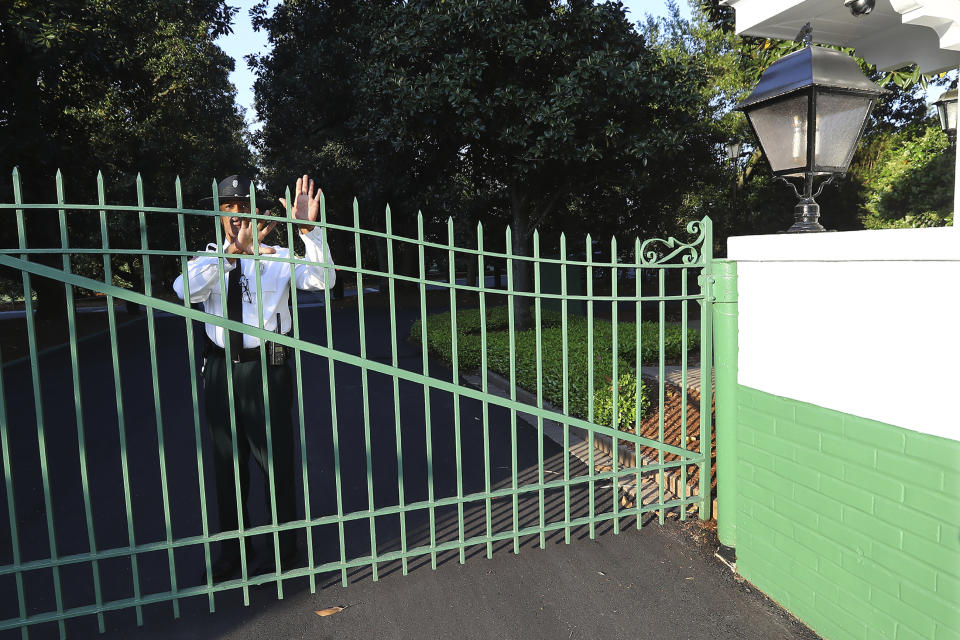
469 345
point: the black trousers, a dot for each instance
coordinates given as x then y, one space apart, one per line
251 438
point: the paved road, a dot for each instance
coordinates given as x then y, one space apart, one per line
149 523
631 585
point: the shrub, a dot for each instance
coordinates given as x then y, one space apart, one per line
469 351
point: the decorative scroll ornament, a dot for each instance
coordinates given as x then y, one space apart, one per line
651 257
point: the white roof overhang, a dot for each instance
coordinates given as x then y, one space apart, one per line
896 33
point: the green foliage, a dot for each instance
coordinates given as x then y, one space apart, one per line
470 351
911 180
125 87
626 401
539 114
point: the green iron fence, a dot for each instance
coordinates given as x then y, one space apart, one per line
399 456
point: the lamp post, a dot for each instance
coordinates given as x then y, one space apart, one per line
808 111
733 148
947 110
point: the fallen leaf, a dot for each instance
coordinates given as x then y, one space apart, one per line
690 578
329 611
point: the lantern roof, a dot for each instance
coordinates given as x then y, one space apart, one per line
896 33
811 66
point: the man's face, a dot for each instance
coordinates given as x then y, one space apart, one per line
231 223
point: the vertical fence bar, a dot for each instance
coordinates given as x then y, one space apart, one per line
258 268
638 316
565 355
11 507
121 422
615 385
7 472
683 388
485 406
706 371
77 404
455 366
228 364
298 381
361 318
328 319
194 395
38 408
590 391
157 411
661 321
426 390
513 389
537 322
301 417
396 390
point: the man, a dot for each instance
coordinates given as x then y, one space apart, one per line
203 275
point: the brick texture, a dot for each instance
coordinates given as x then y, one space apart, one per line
849 523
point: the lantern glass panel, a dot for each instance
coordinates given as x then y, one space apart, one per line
782 129
840 119
951 114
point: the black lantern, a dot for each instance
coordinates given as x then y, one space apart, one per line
813 85
947 110
733 149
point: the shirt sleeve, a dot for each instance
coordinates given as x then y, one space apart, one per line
314 277
203 274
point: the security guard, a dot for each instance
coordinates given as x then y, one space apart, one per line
203 273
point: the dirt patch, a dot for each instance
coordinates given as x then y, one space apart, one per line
677 411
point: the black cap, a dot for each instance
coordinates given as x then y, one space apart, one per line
231 189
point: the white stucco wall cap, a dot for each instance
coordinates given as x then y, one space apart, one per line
896 33
937 244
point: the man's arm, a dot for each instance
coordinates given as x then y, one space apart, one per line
313 277
203 274
306 206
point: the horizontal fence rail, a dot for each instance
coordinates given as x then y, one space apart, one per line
433 410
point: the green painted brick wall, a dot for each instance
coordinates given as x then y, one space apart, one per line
852 525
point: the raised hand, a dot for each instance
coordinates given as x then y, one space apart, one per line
306 203
244 239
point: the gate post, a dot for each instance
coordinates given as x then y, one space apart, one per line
725 364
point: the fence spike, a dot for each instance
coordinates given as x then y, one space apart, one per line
389 219
59 180
216 197
16 172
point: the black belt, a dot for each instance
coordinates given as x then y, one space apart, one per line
211 348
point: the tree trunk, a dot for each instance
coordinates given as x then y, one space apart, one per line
521 268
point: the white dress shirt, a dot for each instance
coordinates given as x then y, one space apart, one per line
204 276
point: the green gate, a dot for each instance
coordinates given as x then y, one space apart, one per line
542 413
